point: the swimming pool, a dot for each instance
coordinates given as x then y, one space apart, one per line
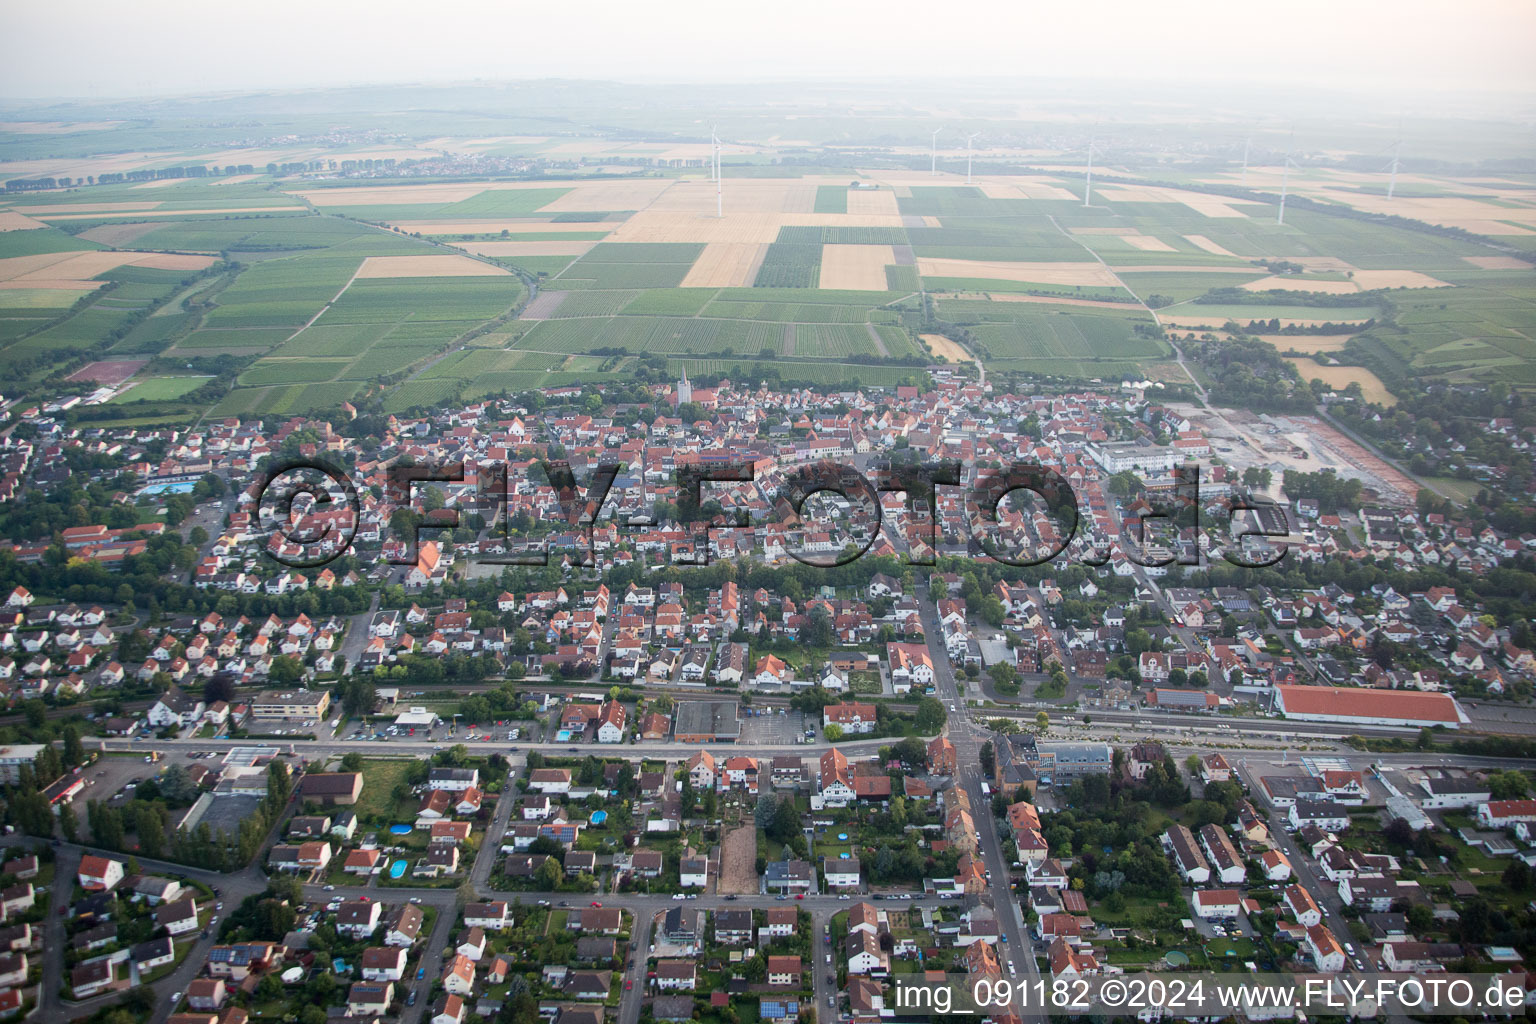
397 869
598 817
401 830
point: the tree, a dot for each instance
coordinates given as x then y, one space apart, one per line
988 759
1042 722
1508 785
74 750
352 762
1517 877
285 671
548 874
930 716
71 824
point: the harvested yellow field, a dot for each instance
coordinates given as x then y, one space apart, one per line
1370 280
931 222
19 266
177 213
1497 262
1210 246
665 226
1209 206
1326 263
398 195
44 295
55 127
740 195
881 202
1299 284
855 267
1097 303
1095 274
87 207
1340 377
427 266
1312 344
1146 243
77 268
492 227
597 196
944 348
725 265
1193 320
10 220
1175 268
551 248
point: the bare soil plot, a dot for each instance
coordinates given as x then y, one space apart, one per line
551 248
879 202
855 267
109 372
10 220
946 348
427 266
543 306
725 265
121 234
1095 274
1497 262
738 861
1210 246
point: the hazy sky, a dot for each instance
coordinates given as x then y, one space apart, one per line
108 48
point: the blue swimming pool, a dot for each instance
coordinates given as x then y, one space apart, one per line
598 817
397 869
401 830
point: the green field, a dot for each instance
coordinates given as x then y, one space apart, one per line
160 389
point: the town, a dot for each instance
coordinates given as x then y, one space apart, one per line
670 767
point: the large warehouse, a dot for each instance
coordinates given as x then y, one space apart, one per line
1350 706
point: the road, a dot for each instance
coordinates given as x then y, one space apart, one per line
968 738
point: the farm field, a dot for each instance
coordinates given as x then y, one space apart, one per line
401 292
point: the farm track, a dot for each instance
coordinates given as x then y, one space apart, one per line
874 336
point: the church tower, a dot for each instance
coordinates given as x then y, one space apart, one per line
684 389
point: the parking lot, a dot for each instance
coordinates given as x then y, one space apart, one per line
770 727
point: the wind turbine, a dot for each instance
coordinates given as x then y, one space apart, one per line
1397 148
714 140
1247 144
933 152
968 139
1088 180
1285 179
